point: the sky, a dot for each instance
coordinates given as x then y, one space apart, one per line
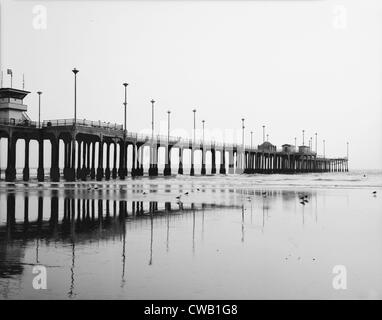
288 65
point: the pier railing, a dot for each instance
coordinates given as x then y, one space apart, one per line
145 138
19 123
81 122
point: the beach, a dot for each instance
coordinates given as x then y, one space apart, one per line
212 237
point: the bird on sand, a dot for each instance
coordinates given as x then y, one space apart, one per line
186 193
374 192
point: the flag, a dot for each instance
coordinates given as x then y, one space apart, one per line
9 71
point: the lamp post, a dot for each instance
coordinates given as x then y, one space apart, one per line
323 141
242 138
192 170
152 169
168 127
303 137
194 111
39 108
123 167
152 119
72 169
125 105
75 71
295 143
203 121
267 137
347 157
263 134
203 169
251 139
347 150
315 148
242 153
167 166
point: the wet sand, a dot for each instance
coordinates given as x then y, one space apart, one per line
233 237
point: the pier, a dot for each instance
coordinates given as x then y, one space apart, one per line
95 150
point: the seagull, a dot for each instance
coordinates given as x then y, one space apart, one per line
374 192
186 193
197 189
178 197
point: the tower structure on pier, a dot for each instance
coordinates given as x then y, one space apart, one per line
12 108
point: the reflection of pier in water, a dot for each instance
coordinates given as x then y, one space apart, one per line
82 220
72 214
74 219
86 218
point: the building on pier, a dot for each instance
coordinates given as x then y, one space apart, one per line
304 149
267 147
289 148
12 108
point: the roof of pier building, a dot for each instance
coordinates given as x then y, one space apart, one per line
13 93
288 145
266 146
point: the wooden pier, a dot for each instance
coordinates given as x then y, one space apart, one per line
85 141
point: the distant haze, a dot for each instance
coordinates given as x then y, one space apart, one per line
289 65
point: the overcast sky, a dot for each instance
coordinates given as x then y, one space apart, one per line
289 65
